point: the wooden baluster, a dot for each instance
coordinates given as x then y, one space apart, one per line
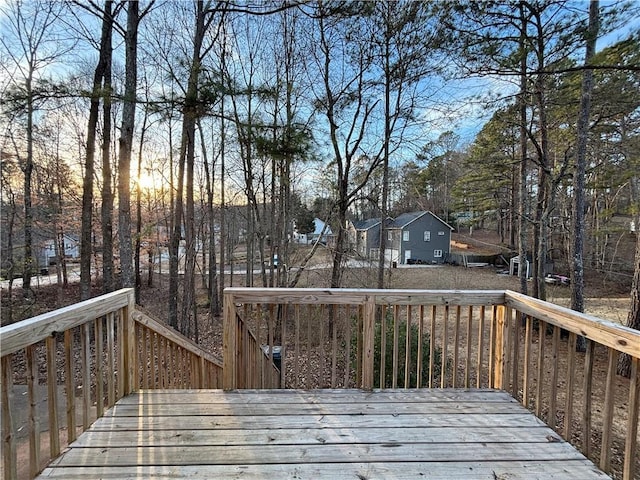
407 349
283 341
631 441
456 348
514 320
571 365
607 415
396 329
322 369
368 346
542 329
296 353
480 346
145 359
312 314
383 346
70 386
347 362
8 429
33 397
555 346
85 354
445 342
52 397
432 346
526 374
420 353
334 345
360 345
111 353
467 362
587 399
99 336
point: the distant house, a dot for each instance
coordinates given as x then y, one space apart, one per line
71 249
418 237
364 237
319 232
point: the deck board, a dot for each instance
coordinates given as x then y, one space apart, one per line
320 434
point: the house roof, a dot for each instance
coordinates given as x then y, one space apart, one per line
405 219
366 224
319 225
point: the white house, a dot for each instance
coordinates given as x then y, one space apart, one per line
319 232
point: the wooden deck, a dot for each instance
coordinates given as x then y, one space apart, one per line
333 434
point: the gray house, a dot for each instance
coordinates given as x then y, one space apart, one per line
418 237
364 237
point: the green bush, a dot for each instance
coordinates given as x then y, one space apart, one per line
413 358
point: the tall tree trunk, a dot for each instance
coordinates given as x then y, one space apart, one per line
211 274
138 237
545 189
522 195
223 226
126 143
86 235
186 165
385 155
10 210
27 268
577 270
107 187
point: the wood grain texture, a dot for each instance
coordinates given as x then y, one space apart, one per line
451 433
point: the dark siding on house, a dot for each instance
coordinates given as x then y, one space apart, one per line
421 250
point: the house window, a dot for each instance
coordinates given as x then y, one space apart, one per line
441 234
437 254
427 236
405 236
390 235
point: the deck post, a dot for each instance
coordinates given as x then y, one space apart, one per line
129 344
499 350
229 344
368 342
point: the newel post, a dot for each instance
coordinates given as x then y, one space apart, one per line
129 343
229 344
368 345
499 353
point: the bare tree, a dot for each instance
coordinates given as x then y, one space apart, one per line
100 84
577 270
32 43
125 143
345 103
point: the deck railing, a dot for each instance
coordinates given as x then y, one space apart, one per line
60 370
339 338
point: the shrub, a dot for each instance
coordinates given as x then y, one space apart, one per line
402 343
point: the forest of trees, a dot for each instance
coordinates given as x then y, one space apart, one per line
193 129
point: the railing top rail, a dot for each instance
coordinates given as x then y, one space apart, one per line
27 332
358 296
610 334
175 337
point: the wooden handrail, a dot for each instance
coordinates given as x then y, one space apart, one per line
171 334
27 332
612 335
